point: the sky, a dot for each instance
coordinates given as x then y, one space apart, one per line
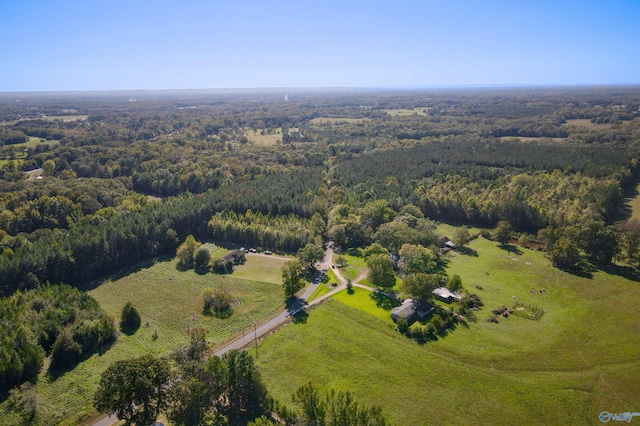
55 45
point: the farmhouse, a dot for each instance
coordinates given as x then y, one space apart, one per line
445 295
410 310
406 311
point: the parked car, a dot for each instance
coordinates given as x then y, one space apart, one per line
267 252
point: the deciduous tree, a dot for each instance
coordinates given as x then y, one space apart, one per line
381 271
292 278
187 250
134 390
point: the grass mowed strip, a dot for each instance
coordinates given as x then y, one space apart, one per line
579 359
170 302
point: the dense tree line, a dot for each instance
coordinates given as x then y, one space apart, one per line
285 233
60 321
101 244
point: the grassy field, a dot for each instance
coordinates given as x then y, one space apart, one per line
65 117
169 302
264 140
261 268
34 141
405 112
581 358
634 204
324 287
355 266
532 139
333 120
586 123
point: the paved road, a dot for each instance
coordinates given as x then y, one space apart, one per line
262 329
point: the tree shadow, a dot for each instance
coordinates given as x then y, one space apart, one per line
129 329
511 249
54 372
121 273
295 304
384 301
202 270
300 317
581 272
431 337
627 272
467 251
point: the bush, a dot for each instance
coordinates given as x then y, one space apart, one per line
217 302
66 351
419 333
202 258
131 320
222 266
402 325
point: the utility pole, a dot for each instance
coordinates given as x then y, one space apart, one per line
255 338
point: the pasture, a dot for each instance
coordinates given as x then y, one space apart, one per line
261 268
586 123
532 139
64 118
581 358
35 141
169 302
268 139
403 112
337 120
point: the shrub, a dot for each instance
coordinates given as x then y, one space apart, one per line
217 302
402 325
66 351
202 258
131 320
222 266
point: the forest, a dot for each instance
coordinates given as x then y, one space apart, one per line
94 183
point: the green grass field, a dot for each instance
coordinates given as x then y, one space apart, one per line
169 301
66 117
264 140
261 268
406 112
34 141
532 139
634 204
355 266
334 120
581 358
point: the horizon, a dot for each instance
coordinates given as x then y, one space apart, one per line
330 88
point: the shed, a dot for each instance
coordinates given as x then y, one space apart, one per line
446 295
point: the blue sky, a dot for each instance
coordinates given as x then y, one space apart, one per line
163 44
